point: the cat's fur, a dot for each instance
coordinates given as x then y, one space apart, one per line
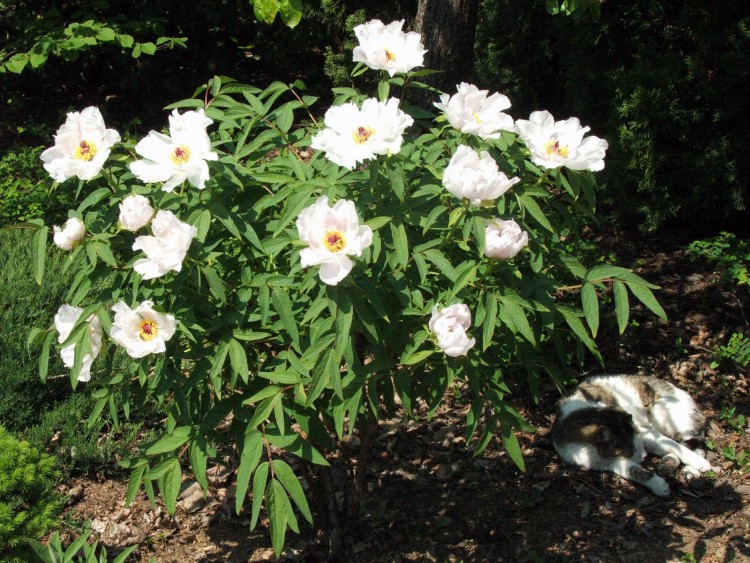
610 422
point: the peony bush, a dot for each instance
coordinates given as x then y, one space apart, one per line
281 279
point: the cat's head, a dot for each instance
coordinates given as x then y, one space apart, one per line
614 434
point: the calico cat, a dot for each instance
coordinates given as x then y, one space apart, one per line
609 422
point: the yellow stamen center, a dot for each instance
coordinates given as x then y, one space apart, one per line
476 117
362 134
148 330
85 151
181 154
390 56
334 241
553 147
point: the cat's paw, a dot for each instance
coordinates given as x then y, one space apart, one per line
667 465
658 486
700 464
690 473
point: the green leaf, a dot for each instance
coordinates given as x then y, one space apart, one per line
290 12
414 358
287 477
622 306
532 207
170 442
125 553
265 10
134 483
442 263
172 482
645 296
384 89
606 272
264 393
199 461
39 252
510 441
252 450
295 444
93 198
490 320
283 306
400 242
238 359
263 410
517 317
215 284
590 302
259 486
44 355
275 497
575 324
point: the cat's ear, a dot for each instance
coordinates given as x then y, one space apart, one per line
603 435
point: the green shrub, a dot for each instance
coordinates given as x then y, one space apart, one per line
29 506
25 192
23 304
728 253
83 447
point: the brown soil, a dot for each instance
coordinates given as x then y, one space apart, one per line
428 499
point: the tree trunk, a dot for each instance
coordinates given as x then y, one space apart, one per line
448 28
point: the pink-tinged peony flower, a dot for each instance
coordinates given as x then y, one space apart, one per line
386 47
449 325
475 176
178 157
82 145
70 235
561 143
142 331
332 234
135 212
166 249
504 239
353 135
472 112
65 319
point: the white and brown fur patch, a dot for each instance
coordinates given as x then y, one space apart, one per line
610 422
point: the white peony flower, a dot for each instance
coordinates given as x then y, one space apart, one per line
449 325
353 135
561 143
166 249
178 157
475 176
504 239
70 235
65 319
82 145
472 112
135 212
386 47
333 234
142 331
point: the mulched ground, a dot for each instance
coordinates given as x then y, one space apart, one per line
428 499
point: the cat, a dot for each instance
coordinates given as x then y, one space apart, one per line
610 422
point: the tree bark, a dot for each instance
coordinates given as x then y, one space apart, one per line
448 28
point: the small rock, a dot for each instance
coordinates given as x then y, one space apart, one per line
742 489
